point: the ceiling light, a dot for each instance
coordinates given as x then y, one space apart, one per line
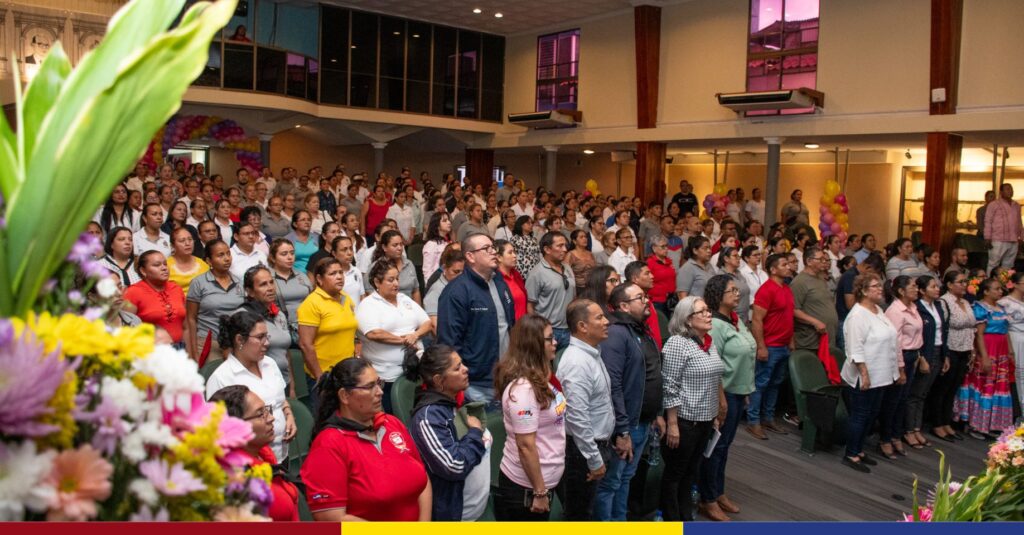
353 46
298 126
334 60
588 151
498 15
811 145
416 36
477 10
396 33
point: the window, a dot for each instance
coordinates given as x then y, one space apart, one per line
782 50
498 174
558 58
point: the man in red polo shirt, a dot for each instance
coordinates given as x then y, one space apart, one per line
772 327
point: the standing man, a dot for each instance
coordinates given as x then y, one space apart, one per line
638 273
686 200
990 196
1003 230
867 246
589 420
328 202
958 261
814 306
650 225
633 361
550 286
401 211
474 224
772 327
474 314
754 209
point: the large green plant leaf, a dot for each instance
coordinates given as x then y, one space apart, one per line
99 124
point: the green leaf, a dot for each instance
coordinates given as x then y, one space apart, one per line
41 94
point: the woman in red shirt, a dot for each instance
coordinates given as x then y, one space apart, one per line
157 300
375 210
516 283
363 464
242 403
664 274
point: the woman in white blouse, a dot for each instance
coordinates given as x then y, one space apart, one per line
1013 303
872 352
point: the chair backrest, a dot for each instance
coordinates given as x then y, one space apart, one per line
209 367
839 355
415 254
298 448
558 358
298 373
662 325
496 425
806 373
403 398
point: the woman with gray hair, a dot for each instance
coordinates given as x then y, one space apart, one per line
693 399
664 273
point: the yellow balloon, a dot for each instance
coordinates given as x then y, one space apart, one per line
721 188
842 218
826 200
831 189
835 209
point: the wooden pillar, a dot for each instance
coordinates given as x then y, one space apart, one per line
650 172
941 186
947 20
647 23
480 167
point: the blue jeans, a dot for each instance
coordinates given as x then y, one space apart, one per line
711 481
768 376
892 417
477 392
611 498
863 406
561 338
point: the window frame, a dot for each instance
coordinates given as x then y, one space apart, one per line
573 67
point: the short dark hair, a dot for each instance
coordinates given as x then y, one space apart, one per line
874 261
619 295
577 312
633 269
233 398
548 240
773 260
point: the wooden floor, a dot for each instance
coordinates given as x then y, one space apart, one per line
772 480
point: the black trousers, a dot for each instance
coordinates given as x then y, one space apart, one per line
939 404
510 502
682 466
575 492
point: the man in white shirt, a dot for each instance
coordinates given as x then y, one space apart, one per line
401 211
589 419
150 237
755 207
244 253
522 206
267 177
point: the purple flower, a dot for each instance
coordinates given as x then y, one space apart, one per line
172 480
6 332
259 492
110 428
75 297
85 249
33 379
93 313
48 286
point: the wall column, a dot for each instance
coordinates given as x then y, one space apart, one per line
649 184
378 157
647 42
771 186
941 186
550 166
480 167
265 148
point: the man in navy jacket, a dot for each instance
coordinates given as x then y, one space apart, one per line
474 315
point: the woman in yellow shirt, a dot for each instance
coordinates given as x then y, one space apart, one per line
182 265
327 323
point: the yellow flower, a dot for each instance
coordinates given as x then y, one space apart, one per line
134 342
63 405
262 471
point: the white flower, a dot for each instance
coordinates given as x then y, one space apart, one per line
1015 444
151 433
177 374
125 395
144 491
106 287
22 471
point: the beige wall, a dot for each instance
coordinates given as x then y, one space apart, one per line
990 56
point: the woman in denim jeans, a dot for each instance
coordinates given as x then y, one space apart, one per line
909 327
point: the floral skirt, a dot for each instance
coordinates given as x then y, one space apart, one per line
984 400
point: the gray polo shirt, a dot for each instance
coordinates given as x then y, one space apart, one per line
407 281
353 205
692 279
291 292
502 320
214 301
551 292
276 228
470 227
433 295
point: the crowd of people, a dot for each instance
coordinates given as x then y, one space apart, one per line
597 331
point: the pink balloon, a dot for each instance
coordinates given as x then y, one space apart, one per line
846 209
836 228
841 199
719 205
828 218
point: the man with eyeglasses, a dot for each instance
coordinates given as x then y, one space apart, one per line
474 314
772 327
244 253
629 353
551 286
814 309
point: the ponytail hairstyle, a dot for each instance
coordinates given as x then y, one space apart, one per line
240 323
344 374
423 367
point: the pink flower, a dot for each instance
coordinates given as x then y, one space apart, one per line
181 421
170 481
81 478
36 376
924 513
233 433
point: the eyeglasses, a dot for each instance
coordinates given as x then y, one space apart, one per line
550 339
379 383
264 413
705 312
489 248
265 337
960 281
641 298
733 290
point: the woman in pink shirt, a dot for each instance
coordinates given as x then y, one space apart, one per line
904 316
533 409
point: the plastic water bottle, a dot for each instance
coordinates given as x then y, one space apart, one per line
694 499
654 454
658 517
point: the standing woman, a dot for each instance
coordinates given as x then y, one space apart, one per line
293 287
177 217
327 324
729 264
664 273
960 346
319 217
392 249
580 259
234 198
984 401
1013 304
288 207
871 367
504 229
261 300
303 239
182 264
211 295
157 300
796 208
350 228
375 209
694 399
533 409
363 465
439 235
903 262
120 257
389 321
459 466
527 250
600 283
834 250
931 259
933 355
117 213
222 217
697 271
330 231
902 313
737 349
514 279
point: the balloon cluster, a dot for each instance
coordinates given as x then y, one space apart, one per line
592 187
228 133
717 199
835 218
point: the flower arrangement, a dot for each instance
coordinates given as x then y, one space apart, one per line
1005 276
995 495
973 284
103 425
